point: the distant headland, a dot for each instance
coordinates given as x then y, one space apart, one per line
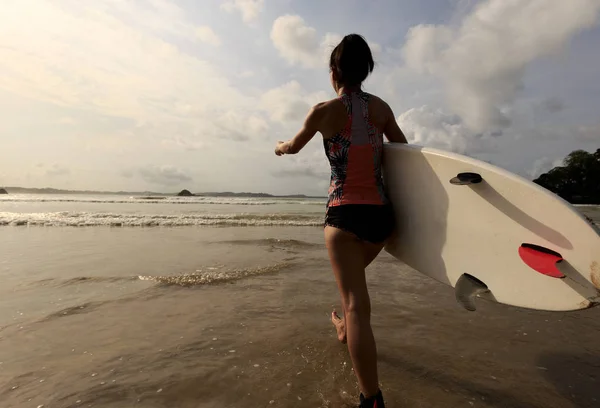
187 193
183 193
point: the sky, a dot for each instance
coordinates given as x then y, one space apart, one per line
161 95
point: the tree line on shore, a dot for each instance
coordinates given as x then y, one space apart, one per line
577 180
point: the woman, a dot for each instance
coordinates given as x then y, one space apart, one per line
359 217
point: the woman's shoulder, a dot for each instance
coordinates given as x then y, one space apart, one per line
325 107
375 99
328 114
337 101
328 103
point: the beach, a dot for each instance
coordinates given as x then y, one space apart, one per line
118 301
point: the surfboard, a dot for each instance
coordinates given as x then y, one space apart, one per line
489 233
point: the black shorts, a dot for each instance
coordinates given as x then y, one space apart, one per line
371 223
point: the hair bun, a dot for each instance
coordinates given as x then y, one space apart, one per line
351 60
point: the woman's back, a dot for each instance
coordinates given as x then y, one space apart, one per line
353 144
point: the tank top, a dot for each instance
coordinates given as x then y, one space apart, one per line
355 156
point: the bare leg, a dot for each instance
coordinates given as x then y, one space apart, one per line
348 258
371 251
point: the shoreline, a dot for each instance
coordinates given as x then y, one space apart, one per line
50 191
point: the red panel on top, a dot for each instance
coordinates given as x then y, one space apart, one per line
360 185
540 261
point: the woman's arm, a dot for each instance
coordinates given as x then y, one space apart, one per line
392 131
309 129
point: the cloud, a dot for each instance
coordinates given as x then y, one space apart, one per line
312 165
239 128
302 171
296 42
553 105
483 60
165 175
179 142
246 74
542 166
55 170
127 173
66 121
132 72
249 9
158 17
290 102
207 35
588 133
300 44
430 127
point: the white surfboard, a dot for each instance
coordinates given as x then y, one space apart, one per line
489 233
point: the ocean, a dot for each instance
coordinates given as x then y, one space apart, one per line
117 301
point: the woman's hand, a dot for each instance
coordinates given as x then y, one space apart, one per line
279 148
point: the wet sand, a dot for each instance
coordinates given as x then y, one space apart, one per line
79 328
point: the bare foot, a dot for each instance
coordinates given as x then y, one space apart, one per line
340 327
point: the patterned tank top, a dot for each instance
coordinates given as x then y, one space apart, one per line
355 156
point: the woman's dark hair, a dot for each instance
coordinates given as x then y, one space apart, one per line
351 60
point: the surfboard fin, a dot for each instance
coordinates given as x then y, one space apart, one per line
467 288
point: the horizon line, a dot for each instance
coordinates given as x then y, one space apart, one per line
148 192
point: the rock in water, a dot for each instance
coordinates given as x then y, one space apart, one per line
185 193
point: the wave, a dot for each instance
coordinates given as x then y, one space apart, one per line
162 200
73 310
86 219
55 282
214 275
205 275
274 243
87 307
